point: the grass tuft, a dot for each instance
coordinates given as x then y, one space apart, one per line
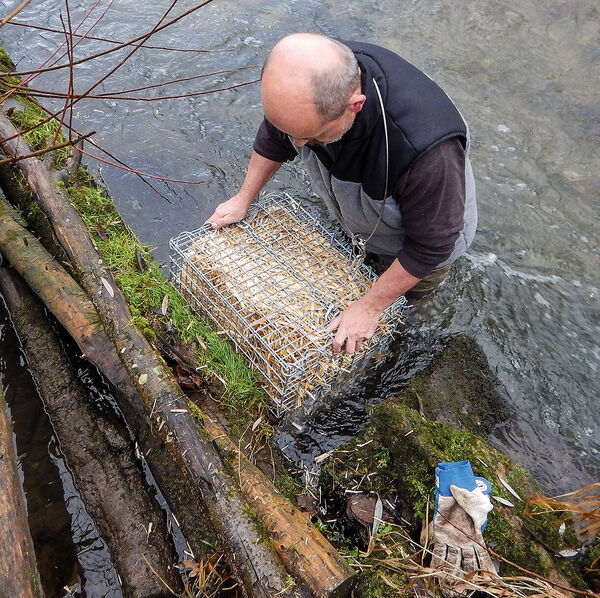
145 290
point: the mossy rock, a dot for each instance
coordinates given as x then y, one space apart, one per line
6 64
400 448
458 388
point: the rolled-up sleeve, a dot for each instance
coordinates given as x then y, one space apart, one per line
272 144
431 196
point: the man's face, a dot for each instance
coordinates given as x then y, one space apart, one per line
295 114
326 133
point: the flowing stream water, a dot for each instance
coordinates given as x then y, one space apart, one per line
525 76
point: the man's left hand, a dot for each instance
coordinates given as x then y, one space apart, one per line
356 324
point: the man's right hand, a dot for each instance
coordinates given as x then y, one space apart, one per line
229 211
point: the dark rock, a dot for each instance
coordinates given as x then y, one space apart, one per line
459 389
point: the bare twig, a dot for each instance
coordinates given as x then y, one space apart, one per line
68 98
49 59
131 42
117 95
71 98
14 13
155 29
46 149
117 163
113 41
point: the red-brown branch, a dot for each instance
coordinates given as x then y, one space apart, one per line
46 93
143 38
50 148
131 42
14 13
68 98
155 29
123 166
49 58
191 94
114 41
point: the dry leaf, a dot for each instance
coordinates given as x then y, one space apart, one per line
188 379
306 504
377 516
107 286
164 305
508 487
101 233
568 554
140 261
503 501
324 456
361 507
195 569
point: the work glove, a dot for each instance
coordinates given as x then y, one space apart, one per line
462 504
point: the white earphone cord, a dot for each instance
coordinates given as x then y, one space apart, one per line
357 241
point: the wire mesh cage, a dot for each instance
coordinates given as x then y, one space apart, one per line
272 283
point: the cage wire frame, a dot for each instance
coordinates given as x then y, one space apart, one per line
303 259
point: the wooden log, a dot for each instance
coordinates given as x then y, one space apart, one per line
51 282
18 571
299 544
72 307
259 571
257 568
100 457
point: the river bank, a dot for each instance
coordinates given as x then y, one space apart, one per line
158 311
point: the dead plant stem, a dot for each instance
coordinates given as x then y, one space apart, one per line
14 13
47 149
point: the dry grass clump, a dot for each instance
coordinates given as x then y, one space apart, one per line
207 578
395 553
272 283
582 505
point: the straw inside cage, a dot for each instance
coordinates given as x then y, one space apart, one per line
272 283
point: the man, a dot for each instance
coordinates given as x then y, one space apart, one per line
402 184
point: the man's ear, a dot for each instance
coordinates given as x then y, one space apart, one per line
356 102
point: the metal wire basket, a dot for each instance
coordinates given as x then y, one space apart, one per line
272 283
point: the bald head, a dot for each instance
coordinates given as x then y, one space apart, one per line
309 74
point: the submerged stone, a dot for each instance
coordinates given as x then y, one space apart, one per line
458 388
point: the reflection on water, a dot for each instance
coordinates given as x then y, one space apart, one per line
522 73
69 550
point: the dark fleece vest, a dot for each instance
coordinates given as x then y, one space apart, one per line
419 115
350 174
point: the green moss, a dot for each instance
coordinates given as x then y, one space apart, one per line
290 582
400 450
195 412
458 388
264 536
31 115
6 64
178 485
43 134
229 457
288 486
500 536
591 561
370 584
